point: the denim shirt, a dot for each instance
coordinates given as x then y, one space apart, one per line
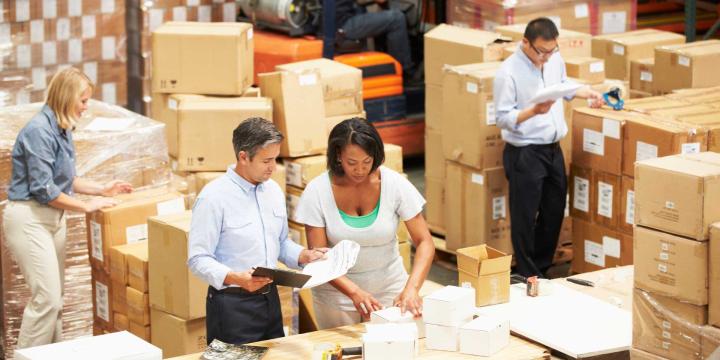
43 160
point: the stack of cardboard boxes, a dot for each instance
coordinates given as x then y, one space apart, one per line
673 269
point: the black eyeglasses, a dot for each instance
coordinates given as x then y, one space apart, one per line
545 53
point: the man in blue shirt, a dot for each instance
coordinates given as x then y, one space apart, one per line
239 222
533 160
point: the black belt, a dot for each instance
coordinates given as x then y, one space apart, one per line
554 145
240 291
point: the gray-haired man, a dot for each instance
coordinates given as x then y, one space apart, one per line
240 222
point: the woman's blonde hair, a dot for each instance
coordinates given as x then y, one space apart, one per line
66 88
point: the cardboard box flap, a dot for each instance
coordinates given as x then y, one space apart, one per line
667 124
140 198
680 164
180 220
465 36
612 37
203 28
234 103
660 36
680 48
485 69
606 113
338 79
482 260
580 60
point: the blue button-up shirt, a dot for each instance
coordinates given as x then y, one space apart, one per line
516 82
237 226
43 160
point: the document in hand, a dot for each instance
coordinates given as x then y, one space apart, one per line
339 260
555 92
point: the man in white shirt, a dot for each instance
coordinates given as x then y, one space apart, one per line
533 160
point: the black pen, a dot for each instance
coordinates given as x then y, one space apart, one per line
580 282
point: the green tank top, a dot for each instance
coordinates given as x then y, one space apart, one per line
363 221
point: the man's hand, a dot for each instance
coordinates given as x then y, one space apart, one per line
246 281
307 255
542 108
116 187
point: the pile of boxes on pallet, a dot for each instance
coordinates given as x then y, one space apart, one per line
676 249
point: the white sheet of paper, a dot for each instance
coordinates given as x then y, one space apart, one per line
555 92
339 260
109 124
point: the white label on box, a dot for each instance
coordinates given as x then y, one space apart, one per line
690 148
666 334
22 97
136 233
477 178
630 208
192 2
490 114
593 142
645 151
487 25
74 7
204 13
5 36
664 256
666 325
307 80
581 10
684 61
156 17
173 206
664 247
229 12
499 211
471 87
22 10
594 253
611 128
179 13
662 268
614 22
611 247
62 31
90 69
581 192
605 199
295 235
96 240
646 76
49 9
666 345
108 48
24 56
293 174
88 26
670 205
37 31
39 78
102 303
557 20
75 50
49 53
107 6
598 66
250 34
109 93
172 104
618 49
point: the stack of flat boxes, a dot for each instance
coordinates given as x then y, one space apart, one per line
41 37
675 272
129 271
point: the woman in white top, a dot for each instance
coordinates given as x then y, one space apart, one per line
358 199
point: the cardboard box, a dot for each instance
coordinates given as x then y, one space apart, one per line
449 306
710 342
653 104
433 105
118 260
571 43
667 327
692 65
119 300
476 208
138 306
442 337
614 16
126 222
581 188
652 138
102 294
434 160
484 336
684 202
627 205
435 206
222 51
469 133
176 336
120 322
173 288
488 272
452 45
607 197
671 265
389 341
292 199
641 75
619 49
392 315
588 68
393 157
137 268
709 121
297 111
637 354
141 331
714 275
296 232
341 84
596 247
332 121
204 178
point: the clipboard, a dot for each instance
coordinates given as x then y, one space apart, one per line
283 277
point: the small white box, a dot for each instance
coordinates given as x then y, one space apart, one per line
390 341
392 315
484 336
441 337
449 306
120 345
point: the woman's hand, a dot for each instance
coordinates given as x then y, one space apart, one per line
365 303
116 187
409 300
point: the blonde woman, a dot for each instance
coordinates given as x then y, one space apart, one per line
41 191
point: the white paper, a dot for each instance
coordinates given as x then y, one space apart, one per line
613 22
581 193
24 56
684 61
75 50
471 87
204 13
179 13
74 7
49 53
109 93
499 207
96 240
136 233
172 104
662 268
619 49
646 76
102 307
670 205
37 31
664 256
339 260
598 66
490 113
307 80
594 253
645 151
90 69
581 10
593 142
49 9
477 178
229 12
690 148
39 78
108 48
293 174
611 247
22 10
88 26
173 206
107 6
605 199
156 17
109 124
555 92
62 29
630 208
611 128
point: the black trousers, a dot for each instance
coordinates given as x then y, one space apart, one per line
237 318
538 190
